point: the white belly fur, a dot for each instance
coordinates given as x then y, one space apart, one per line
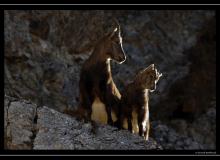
114 117
135 128
125 123
99 113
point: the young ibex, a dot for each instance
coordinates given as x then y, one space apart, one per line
99 96
134 108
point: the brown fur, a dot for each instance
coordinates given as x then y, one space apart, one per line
96 83
134 109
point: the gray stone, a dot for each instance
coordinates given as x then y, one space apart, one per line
42 128
59 131
20 124
172 137
180 125
179 143
188 141
194 146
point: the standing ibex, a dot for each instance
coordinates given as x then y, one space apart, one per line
99 97
134 108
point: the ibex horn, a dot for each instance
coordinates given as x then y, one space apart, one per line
118 25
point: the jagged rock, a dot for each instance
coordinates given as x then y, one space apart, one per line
196 135
172 137
59 131
180 125
203 129
39 128
19 123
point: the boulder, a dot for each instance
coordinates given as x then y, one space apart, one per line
28 126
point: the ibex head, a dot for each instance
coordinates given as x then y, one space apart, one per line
148 77
114 47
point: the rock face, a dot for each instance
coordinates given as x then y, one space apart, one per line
183 135
28 126
194 137
19 123
191 95
44 51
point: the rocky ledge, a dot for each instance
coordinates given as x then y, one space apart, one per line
28 126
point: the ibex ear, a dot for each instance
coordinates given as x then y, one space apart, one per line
150 67
114 32
116 29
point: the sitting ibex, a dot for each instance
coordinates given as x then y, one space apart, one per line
134 108
99 97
